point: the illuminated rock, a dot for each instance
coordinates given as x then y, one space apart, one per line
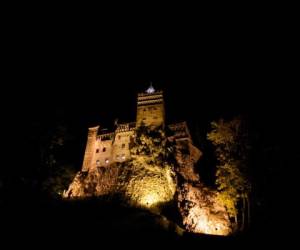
151 187
202 212
96 182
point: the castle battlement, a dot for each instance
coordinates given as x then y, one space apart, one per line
106 136
126 127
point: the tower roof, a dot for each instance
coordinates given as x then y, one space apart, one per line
150 90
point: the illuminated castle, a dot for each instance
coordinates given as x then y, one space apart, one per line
112 166
103 149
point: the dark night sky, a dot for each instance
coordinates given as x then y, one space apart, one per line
96 68
87 75
196 84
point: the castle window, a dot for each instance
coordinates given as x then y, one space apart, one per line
123 145
144 119
98 163
119 137
106 161
123 156
97 150
104 149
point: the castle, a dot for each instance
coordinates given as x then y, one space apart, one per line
103 149
112 167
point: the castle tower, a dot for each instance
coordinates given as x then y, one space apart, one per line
150 108
90 149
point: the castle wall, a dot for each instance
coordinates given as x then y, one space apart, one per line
150 109
90 148
103 153
121 150
108 148
150 115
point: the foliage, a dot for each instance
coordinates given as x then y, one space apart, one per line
57 170
58 180
230 141
152 180
151 147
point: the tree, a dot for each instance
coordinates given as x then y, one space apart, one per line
232 147
152 178
57 169
151 147
58 180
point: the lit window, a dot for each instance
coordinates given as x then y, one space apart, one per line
104 149
97 150
106 161
123 157
98 163
123 145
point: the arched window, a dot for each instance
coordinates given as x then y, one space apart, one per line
104 149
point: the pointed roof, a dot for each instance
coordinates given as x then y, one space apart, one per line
150 90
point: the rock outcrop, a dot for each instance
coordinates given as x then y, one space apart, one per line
201 211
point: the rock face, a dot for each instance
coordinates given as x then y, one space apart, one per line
186 156
96 182
201 211
150 181
139 186
150 187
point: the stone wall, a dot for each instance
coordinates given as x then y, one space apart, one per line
90 148
150 109
121 150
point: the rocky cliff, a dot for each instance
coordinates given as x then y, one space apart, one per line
160 171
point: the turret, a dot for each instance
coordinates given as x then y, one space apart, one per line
90 148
